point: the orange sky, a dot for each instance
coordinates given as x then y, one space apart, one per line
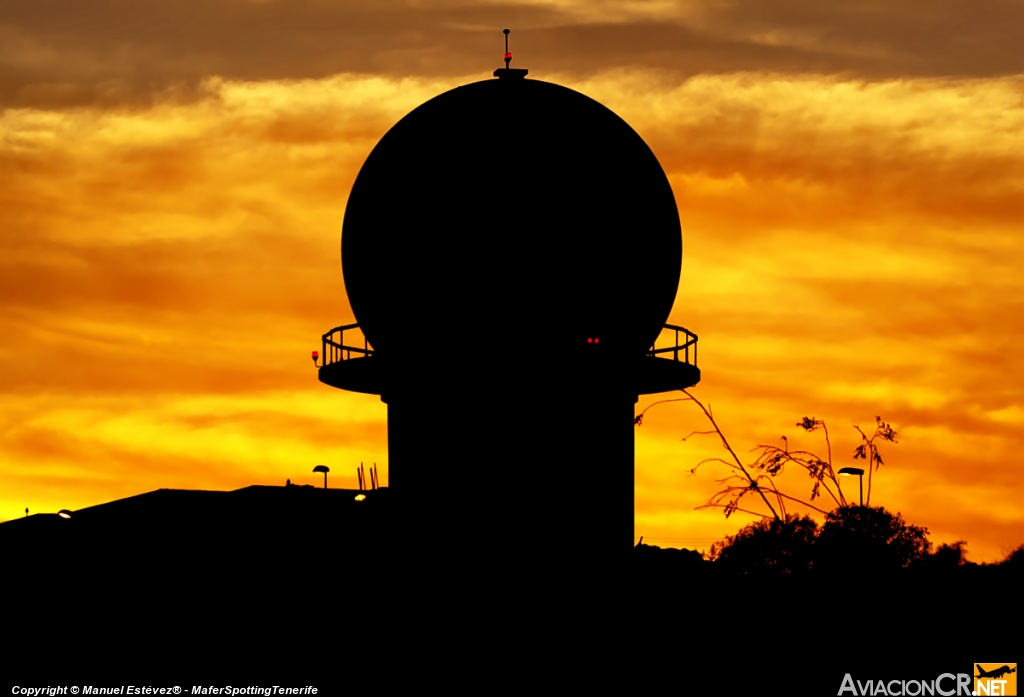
173 177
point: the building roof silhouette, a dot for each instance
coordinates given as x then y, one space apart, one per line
178 526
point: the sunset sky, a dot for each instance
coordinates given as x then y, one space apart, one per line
849 175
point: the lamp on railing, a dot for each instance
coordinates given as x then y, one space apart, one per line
316 355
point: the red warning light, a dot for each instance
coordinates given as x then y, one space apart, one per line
508 56
596 340
590 340
316 355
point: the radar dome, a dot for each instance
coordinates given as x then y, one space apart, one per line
512 202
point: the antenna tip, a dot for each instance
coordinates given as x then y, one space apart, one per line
505 32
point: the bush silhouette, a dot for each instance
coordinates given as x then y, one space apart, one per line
1014 560
868 539
769 546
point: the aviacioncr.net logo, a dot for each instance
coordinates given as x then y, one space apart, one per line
945 685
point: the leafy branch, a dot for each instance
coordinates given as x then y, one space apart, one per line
867 450
738 492
758 477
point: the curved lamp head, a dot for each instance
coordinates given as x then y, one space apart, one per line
850 471
325 469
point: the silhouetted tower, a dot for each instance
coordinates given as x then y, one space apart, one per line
511 250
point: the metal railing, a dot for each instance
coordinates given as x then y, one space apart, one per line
336 350
689 340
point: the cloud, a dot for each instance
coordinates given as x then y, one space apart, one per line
61 453
110 52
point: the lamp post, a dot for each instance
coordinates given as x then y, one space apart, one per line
850 471
325 469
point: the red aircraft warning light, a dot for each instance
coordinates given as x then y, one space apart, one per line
316 355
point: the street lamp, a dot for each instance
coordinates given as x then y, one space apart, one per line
65 514
325 469
850 471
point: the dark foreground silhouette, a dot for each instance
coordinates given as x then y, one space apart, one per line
801 627
296 583
265 580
